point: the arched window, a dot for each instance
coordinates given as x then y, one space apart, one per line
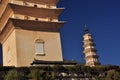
39 47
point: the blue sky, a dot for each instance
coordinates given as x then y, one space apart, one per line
103 20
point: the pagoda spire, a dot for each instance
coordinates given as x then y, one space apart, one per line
90 51
86 29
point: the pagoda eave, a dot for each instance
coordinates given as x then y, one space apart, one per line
89 44
37 25
92 56
6 31
52 2
36 12
29 25
4 18
3 5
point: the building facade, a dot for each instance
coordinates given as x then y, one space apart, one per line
29 29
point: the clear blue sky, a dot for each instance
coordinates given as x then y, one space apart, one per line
103 20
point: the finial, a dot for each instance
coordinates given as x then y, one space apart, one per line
86 29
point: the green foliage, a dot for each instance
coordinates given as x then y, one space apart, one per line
13 75
7 68
24 71
112 75
86 69
51 73
100 69
36 74
59 68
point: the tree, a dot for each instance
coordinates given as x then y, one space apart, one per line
59 68
36 74
13 75
112 75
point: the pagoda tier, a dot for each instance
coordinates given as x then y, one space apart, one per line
36 12
94 63
4 3
91 44
29 11
30 25
50 2
91 56
89 50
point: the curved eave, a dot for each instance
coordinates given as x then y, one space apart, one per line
4 34
94 64
92 56
51 2
29 25
37 25
3 5
88 40
89 50
4 18
36 12
89 44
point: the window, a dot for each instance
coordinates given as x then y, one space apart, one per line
39 47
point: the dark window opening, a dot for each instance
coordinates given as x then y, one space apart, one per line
35 5
36 19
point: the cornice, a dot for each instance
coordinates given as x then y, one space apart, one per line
50 2
36 12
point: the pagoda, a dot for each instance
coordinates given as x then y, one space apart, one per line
90 52
29 29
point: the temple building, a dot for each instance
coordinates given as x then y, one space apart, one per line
91 56
29 30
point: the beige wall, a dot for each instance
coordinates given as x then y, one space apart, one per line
26 46
19 48
9 51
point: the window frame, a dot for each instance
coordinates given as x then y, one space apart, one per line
37 52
